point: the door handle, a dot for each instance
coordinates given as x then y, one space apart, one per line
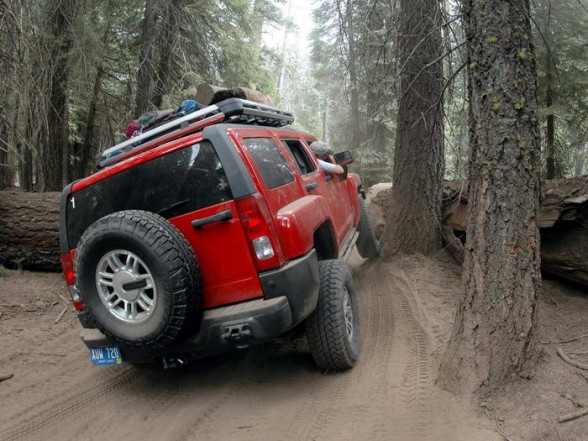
222 216
311 186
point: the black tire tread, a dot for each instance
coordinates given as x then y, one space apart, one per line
171 247
367 244
325 328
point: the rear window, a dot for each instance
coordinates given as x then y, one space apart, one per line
180 182
269 160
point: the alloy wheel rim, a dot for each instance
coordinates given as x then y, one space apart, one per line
348 313
126 286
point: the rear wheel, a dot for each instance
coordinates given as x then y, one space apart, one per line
138 279
332 330
367 244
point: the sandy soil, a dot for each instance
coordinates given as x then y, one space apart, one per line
275 391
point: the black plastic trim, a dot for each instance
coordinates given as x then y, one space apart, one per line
263 319
225 215
298 281
63 241
239 180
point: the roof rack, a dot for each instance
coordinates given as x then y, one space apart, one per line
234 110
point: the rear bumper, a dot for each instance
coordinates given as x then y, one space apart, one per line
222 329
291 294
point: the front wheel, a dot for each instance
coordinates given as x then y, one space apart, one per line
367 244
332 330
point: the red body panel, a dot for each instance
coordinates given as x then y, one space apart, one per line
297 218
228 273
227 262
297 223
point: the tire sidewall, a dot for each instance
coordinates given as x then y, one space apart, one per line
174 269
95 250
353 345
367 244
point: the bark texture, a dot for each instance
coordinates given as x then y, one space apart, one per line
146 66
29 230
492 339
55 156
170 31
413 225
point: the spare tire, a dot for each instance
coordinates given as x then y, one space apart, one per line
139 279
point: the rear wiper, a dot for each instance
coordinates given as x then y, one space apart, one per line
172 206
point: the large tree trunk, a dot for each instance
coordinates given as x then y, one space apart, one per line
4 169
55 158
146 67
353 80
88 146
413 223
29 230
550 131
492 340
170 30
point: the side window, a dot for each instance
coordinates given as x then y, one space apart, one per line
300 155
270 161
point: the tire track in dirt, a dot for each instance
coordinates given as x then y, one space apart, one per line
382 357
416 378
245 385
290 370
56 411
369 378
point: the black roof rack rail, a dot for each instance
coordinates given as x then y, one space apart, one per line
231 110
250 112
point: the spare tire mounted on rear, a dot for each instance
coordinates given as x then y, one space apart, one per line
138 278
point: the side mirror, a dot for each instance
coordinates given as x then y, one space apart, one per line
343 158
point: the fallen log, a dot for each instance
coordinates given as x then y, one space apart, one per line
29 230
206 92
563 223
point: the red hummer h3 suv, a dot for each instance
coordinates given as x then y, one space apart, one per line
212 232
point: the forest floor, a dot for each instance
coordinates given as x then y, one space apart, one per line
275 391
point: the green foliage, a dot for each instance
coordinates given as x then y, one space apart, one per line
3 272
353 52
560 34
214 42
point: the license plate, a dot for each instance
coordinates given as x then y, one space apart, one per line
105 356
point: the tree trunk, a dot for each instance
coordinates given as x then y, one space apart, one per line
493 340
170 30
55 158
146 68
353 80
29 230
550 138
88 144
257 24
4 169
413 226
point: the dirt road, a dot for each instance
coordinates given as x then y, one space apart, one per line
269 392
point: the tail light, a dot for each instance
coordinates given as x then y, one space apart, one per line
67 260
260 232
